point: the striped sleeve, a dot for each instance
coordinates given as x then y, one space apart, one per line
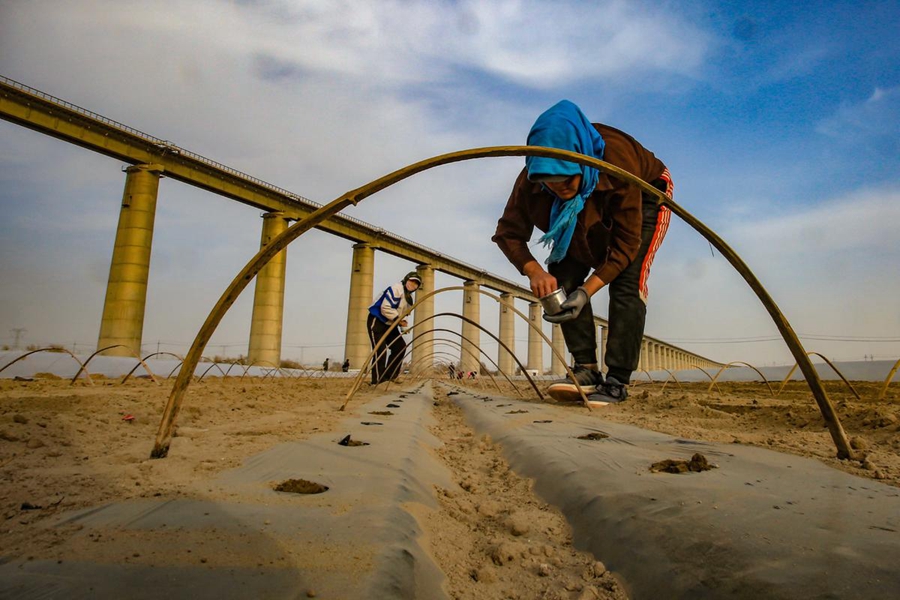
391 301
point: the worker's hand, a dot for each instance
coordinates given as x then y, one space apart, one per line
571 308
403 323
542 282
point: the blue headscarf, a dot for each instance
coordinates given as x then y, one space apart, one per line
565 127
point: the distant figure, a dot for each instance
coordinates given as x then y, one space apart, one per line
325 365
471 374
459 374
384 312
346 366
452 371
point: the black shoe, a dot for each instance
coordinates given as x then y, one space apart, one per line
611 392
565 390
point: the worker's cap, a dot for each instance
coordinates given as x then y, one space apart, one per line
412 276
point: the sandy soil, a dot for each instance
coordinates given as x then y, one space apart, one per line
66 447
493 538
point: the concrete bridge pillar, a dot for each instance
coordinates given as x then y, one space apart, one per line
507 333
642 363
126 290
362 277
557 367
268 299
471 333
424 342
535 355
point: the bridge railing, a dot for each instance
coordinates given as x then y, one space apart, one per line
174 149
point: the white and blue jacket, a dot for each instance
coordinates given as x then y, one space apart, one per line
390 305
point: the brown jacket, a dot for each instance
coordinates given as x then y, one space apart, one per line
608 230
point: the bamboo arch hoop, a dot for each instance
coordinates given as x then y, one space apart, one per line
738 362
455 344
262 364
281 241
534 328
442 358
140 361
459 345
887 380
494 337
208 369
148 357
830 364
418 371
493 362
670 377
480 382
702 370
382 349
53 349
647 373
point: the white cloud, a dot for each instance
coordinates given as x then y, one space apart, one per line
863 221
876 117
535 44
830 267
320 98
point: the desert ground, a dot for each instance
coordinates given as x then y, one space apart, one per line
65 447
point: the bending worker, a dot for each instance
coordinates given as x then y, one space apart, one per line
600 230
393 302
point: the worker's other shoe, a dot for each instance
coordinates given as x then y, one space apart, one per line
565 390
610 392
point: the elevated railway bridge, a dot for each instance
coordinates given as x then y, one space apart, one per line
150 158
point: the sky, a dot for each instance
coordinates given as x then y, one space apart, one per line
780 123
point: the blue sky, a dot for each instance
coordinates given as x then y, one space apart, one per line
779 121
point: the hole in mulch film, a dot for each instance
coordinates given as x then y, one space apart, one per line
300 486
593 436
346 441
381 413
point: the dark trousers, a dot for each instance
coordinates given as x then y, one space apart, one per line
627 307
389 357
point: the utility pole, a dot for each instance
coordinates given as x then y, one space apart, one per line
17 332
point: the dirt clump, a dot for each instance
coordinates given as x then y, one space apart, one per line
300 486
697 464
593 436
